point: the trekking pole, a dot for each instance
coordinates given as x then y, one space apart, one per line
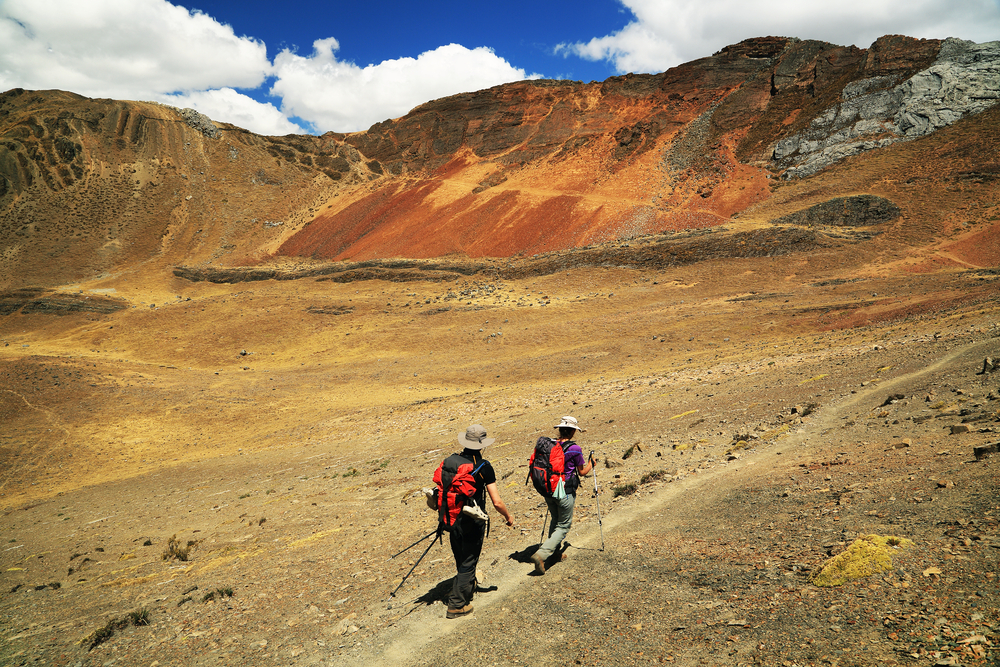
600 523
393 594
541 538
414 544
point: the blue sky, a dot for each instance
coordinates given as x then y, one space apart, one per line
523 33
311 66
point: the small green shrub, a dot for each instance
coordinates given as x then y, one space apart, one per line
624 490
102 635
652 476
353 472
220 593
139 617
175 551
135 618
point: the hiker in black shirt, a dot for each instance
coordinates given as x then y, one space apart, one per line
467 532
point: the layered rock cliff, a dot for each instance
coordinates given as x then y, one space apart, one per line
880 110
96 186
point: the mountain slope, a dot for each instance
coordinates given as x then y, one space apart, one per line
101 187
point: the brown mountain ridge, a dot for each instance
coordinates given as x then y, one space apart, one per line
515 170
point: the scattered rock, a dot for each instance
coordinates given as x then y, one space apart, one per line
989 365
866 556
892 398
960 428
981 452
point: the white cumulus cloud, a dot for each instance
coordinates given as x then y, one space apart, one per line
122 48
137 50
156 50
341 96
666 33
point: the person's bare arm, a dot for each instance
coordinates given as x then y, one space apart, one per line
498 503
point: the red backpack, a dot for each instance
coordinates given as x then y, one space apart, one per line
546 466
455 487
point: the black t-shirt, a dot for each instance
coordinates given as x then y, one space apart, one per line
484 475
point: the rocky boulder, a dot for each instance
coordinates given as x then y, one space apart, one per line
200 122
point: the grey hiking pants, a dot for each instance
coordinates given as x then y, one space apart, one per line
562 520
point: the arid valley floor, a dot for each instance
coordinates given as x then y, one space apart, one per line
283 438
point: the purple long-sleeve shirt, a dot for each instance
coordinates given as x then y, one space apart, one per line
573 456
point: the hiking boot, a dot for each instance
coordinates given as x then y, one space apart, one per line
539 562
458 613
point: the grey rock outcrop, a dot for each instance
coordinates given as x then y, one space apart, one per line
200 122
879 111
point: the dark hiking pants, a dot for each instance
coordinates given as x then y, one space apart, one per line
466 543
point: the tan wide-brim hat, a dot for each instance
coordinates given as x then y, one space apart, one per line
570 422
475 438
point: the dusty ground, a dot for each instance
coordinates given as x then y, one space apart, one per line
279 427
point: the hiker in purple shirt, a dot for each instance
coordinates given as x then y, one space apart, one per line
561 509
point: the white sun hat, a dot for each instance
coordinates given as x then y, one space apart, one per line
475 438
570 422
